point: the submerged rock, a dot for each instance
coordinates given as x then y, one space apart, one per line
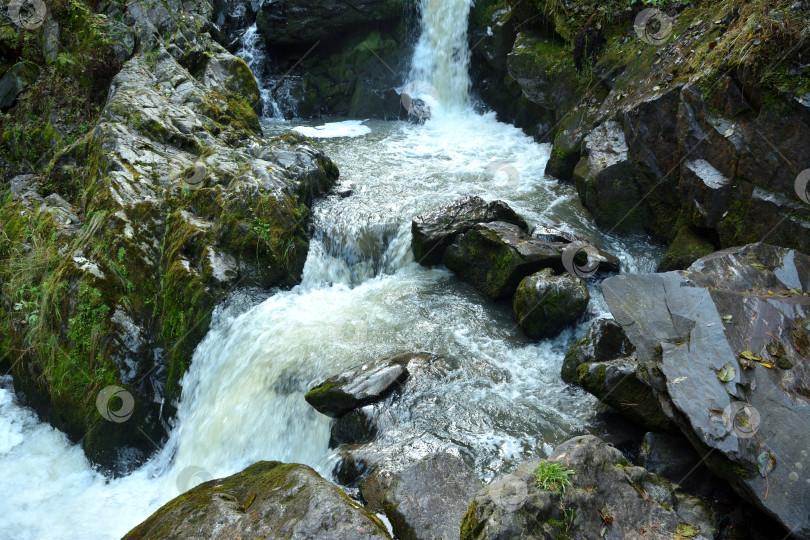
544 303
435 230
603 496
726 343
495 257
361 385
270 500
354 427
426 500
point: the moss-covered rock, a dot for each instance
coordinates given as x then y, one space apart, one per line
687 247
544 303
495 257
269 499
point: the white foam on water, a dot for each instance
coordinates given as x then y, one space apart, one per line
333 130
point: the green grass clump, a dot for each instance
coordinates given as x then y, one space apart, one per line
553 477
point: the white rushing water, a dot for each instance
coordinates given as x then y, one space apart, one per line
496 400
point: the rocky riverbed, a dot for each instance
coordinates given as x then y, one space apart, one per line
432 324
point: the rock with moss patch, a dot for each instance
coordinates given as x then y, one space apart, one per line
426 500
604 496
269 499
605 340
544 303
361 385
687 247
495 257
435 230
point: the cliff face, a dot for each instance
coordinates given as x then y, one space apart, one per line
117 249
694 130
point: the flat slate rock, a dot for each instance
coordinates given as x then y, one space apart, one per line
435 230
727 343
269 500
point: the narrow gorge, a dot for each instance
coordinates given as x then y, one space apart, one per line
405 269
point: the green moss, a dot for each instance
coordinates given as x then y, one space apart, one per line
471 525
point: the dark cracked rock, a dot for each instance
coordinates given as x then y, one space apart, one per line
495 257
727 343
361 385
544 304
434 231
605 340
426 500
607 497
269 500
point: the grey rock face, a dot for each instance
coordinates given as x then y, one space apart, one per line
727 343
426 500
607 498
267 500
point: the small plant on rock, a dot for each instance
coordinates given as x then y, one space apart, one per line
553 476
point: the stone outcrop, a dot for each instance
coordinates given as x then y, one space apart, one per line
601 495
544 303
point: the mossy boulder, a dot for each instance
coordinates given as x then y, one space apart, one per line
495 257
601 495
687 247
435 230
269 499
604 340
545 303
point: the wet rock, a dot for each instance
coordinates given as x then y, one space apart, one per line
725 343
354 427
426 500
267 500
705 193
362 385
671 456
554 236
567 146
607 497
15 80
495 257
605 340
435 230
589 255
687 247
295 22
544 303
607 181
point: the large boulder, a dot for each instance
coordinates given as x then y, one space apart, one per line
361 385
727 343
270 500
545 303
495 257
426 500
435 230
585 489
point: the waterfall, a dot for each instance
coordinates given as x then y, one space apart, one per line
251 50
442 55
